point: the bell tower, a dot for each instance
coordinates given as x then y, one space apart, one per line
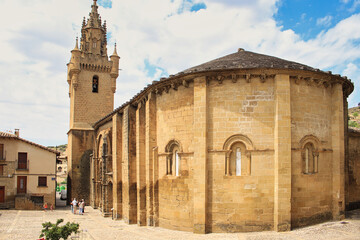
92 83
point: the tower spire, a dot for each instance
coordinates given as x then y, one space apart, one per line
95 20
77 44
115 52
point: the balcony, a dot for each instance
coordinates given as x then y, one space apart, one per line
22 165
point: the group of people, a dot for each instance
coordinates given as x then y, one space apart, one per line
80 204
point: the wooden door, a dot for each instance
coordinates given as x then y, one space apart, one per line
21 184
2 194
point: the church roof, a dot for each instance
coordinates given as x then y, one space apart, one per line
236 61
248 60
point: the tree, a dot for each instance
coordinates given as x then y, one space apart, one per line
55 232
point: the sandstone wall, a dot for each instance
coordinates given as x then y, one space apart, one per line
353 178
311 116
89 107
241 203
175 122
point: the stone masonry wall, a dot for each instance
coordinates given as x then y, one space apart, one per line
175 121
241 203
311 115
353 188
89 107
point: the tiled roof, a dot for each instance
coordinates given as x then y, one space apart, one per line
247 60
10 135
239 60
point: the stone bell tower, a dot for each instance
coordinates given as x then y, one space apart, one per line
92 84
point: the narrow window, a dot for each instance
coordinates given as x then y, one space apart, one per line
177 163
238 162
307 160
1 170
310 159
95 84
22 160
42 182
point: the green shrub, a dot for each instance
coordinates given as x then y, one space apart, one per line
54 232
355 114
353 124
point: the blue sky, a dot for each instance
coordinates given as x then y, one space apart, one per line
157 38
308 17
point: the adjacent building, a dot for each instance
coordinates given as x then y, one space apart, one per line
27 173
245 142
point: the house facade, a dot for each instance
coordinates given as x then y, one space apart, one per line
27 173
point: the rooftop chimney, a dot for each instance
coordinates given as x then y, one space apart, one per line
17 132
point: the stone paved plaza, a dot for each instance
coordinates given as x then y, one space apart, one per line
23 225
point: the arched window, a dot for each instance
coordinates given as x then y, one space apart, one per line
309 154
310 159
95 84
173 166
238 155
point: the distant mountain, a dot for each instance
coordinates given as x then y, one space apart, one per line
59 148
354 117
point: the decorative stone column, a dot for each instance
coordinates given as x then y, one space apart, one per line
150 144
338 154
200 155
282 154
117 165
140 165
129 166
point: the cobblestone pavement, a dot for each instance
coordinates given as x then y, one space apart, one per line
24 225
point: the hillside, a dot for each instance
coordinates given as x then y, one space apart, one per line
354 117
60 148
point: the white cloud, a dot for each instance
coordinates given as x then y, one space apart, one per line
355 5
325 21
36 47
345 1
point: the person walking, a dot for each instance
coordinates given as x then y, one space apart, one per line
81 207
73 206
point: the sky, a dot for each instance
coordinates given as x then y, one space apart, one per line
155 39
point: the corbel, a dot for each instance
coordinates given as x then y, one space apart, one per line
248 78
220 79
185 83
234 78
263 78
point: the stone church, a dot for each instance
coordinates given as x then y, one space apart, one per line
245 142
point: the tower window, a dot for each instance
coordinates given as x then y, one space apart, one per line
95 84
